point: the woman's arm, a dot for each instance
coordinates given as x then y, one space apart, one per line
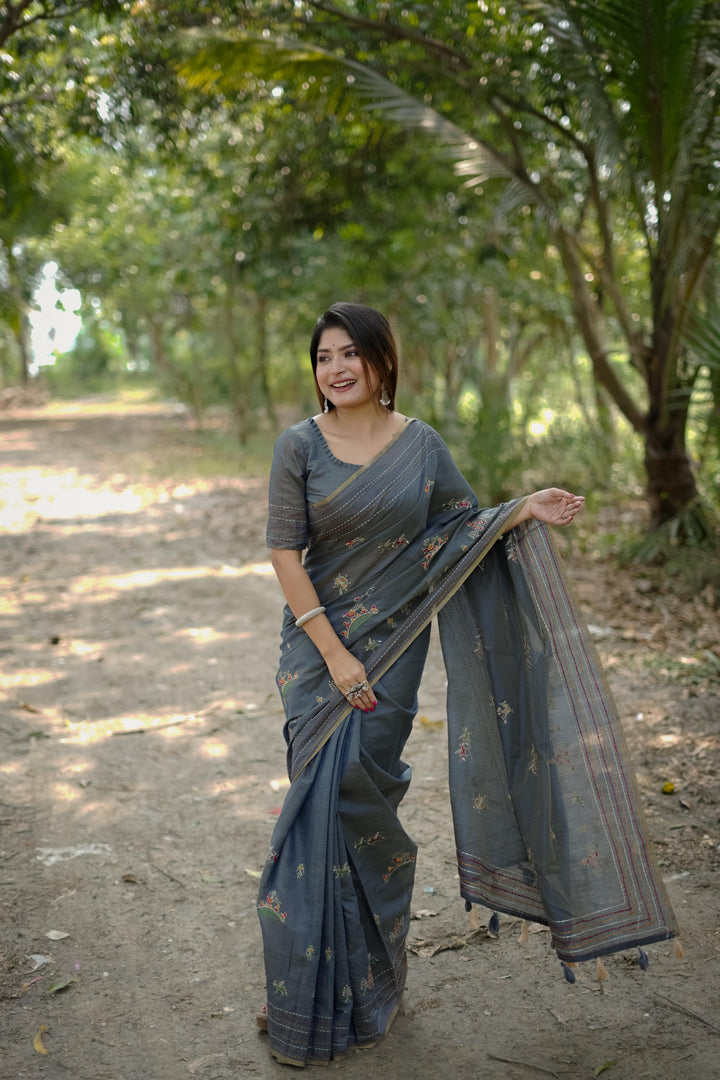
552 505
345 669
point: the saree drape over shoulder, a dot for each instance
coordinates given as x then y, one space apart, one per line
547 819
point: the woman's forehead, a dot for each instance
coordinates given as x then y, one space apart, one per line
334 337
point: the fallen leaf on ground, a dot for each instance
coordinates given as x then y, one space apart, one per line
431 725
428 947
130 878
61 984
56 935
423 913
253 873
38 1041
601 1068
38 960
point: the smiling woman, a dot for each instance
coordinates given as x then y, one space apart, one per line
546 820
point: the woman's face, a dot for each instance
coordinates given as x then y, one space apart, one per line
340 372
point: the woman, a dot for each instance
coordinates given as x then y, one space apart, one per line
547 823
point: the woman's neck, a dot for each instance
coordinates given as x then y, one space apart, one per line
357 435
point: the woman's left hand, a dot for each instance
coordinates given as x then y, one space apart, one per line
554 506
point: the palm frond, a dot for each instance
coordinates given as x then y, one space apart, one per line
515 194
231 59
703 335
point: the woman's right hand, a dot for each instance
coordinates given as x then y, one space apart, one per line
346 671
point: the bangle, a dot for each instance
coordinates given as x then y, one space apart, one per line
309 615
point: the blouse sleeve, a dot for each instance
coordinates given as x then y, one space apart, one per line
287 525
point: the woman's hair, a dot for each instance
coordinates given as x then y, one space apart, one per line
371 333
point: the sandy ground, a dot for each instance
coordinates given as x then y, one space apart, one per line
142 768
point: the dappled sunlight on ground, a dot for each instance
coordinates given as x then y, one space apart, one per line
133 724
25 678
98 588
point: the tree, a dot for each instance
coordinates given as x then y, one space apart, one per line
602 117
44 57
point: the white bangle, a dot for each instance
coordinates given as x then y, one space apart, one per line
309 615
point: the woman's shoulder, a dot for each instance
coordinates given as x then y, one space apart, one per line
297 435
432 438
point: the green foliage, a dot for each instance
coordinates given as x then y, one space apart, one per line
530 192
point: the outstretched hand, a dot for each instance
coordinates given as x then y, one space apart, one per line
554 506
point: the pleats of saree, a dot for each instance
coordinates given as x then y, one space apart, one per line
335 895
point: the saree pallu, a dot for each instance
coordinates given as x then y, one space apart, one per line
547 819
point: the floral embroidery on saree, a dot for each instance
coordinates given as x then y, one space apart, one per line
270 907
463 747
358 614
397 862
342 583
504 711
430 547
285 678
394 543
368 841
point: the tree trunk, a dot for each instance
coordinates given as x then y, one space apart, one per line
262 357
20 323
184 386
22 336
240 386
671 487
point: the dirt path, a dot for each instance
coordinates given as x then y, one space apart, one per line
142 767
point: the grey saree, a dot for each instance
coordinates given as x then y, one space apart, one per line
547 820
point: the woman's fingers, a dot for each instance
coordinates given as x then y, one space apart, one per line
555 506
361 696
353 684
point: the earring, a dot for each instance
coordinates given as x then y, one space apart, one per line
326 406
384 396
